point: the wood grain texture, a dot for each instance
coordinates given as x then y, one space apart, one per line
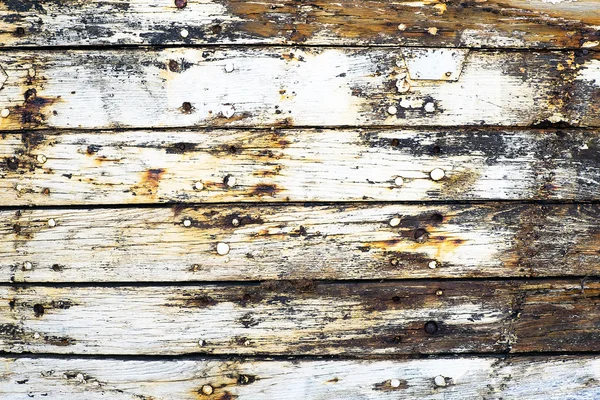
343 241
516 378
492 23
277 87
132 167
304 317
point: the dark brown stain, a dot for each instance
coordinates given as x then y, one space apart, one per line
33 112
32 140
192 300
149 182
92 149
60 341
264 190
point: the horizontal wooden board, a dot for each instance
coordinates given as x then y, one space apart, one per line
457 378
492 23
343 241
304 317
81 168
283 86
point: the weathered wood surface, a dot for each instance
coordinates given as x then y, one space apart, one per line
132 167
343 241
493 23
517 378
304 317
283 86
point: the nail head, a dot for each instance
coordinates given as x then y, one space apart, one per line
198 185
395 383
52 222
392 110
5 113
187 223
439 381
184 33
207 390
222 248
399 181
437 174
395 221
431 327
432 264
229 67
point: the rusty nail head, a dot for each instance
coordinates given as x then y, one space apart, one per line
431 327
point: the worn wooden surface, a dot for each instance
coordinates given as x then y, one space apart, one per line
343 241
515 378
133 167
283 86
293 179
492 23
304 317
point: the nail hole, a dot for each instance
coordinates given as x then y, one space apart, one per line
186 107
395 142
38 309
431 327
233 149
216 29
180 3
420 235
396 299
436 149
20 31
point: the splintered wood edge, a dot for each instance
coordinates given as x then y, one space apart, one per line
492 23
303 318
453 378
264 242
288 165
304 87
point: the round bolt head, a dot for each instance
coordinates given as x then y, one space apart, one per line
222 249
228 111
439 381
5 113
399 181
395 221
184 33
437 174
395 383
207 390
392 110
229 67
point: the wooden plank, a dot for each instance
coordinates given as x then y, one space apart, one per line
82 168
274 86
457 378
343 241
303 317
492 23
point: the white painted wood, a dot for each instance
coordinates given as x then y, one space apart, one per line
516 378
291 86
296 165
513 23
295 318
234 242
